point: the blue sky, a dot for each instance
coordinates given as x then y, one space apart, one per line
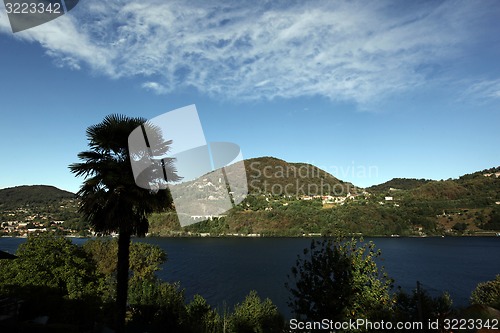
368 90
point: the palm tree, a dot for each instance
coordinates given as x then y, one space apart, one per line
110 199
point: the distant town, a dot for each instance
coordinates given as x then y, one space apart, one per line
60 218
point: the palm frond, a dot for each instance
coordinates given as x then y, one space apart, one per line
111 200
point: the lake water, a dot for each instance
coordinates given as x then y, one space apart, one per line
224 270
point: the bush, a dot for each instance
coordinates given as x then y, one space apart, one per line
53 277
202 318
487 293
256 316
156 306
420 306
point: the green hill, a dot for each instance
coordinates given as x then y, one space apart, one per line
478 186
469 188
398 184
35 195
417 207
270 175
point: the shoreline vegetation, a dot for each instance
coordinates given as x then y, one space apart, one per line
279 217
59 286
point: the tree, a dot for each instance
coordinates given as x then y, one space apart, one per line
201 316
54 277
339 280
145 259
420 306
110 199
487 293
54 262
460 227
256 316
157 306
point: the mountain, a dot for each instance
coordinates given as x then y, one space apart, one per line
264 175
208 195
35 195
270 175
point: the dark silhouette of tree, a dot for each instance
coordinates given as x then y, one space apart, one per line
111 200
321 282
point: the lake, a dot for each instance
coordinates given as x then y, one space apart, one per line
225 270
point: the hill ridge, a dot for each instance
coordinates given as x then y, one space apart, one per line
276 176
32 195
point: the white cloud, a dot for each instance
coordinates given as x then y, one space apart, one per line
155 87
484 89
67 44
356 51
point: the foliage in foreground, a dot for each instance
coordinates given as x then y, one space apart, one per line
339 280
53 277
419 306
487 293
75 286
254 315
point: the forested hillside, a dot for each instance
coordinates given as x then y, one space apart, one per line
469 205
295 199
15 197
278 177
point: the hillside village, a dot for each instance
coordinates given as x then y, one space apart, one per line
60 218
22 221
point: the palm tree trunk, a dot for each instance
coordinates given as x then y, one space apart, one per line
122 279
